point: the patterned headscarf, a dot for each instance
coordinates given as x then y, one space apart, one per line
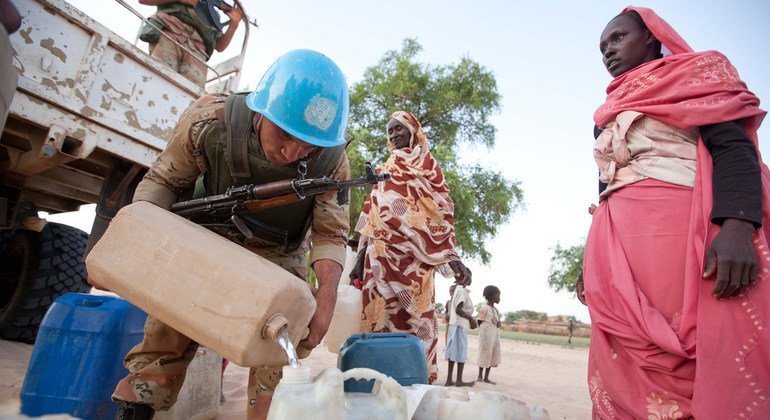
408 120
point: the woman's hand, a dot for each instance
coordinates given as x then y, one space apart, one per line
731 255
580 289
358 269
462 273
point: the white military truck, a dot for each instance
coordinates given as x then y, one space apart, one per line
90 113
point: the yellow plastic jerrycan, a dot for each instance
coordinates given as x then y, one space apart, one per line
202 285
298 396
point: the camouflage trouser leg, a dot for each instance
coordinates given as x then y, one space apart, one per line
178 59
156 366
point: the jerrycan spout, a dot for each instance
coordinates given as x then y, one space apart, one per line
273 326
277 329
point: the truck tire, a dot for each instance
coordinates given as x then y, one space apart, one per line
35 269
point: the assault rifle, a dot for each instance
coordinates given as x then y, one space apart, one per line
235 206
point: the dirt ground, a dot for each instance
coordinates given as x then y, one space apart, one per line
552 377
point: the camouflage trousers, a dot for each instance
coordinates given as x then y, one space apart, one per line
157 366
180 60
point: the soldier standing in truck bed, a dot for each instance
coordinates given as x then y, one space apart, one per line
195 25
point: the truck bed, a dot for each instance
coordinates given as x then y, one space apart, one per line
85 97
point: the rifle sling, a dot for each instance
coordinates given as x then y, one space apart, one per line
238 129
261 230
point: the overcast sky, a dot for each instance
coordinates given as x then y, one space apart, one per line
546 59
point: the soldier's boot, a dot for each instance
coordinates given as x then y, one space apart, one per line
132 411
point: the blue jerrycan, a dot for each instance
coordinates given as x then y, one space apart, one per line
78 357
400 356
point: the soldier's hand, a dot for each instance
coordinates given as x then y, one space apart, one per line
322 317
234 14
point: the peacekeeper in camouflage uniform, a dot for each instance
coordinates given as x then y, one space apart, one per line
298 113
194 24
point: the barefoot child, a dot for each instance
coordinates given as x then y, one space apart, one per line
460 320
489 333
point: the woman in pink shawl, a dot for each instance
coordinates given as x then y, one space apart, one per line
407 233
676 261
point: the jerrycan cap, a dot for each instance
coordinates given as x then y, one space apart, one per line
296 375
457 394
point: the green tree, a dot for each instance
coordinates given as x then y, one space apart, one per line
510 317
453 103
477 307
566 266
440 308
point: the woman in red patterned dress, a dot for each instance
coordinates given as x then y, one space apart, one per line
407 233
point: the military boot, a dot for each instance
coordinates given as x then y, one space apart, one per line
132 411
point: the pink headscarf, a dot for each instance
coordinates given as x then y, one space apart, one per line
686 89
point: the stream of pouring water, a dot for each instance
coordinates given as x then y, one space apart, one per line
283 340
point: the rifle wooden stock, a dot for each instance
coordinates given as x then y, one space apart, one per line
258 205
273 190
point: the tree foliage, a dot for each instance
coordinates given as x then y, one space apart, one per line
525 314
440 308
566 266
477 307
453 103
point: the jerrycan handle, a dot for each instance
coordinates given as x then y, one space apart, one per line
302 352
382 382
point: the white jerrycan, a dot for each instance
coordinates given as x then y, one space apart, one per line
346 320
458 404
298 396
387 401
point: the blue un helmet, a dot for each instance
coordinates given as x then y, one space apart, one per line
306 95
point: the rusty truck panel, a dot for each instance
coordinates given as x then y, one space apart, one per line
86 100
69 61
